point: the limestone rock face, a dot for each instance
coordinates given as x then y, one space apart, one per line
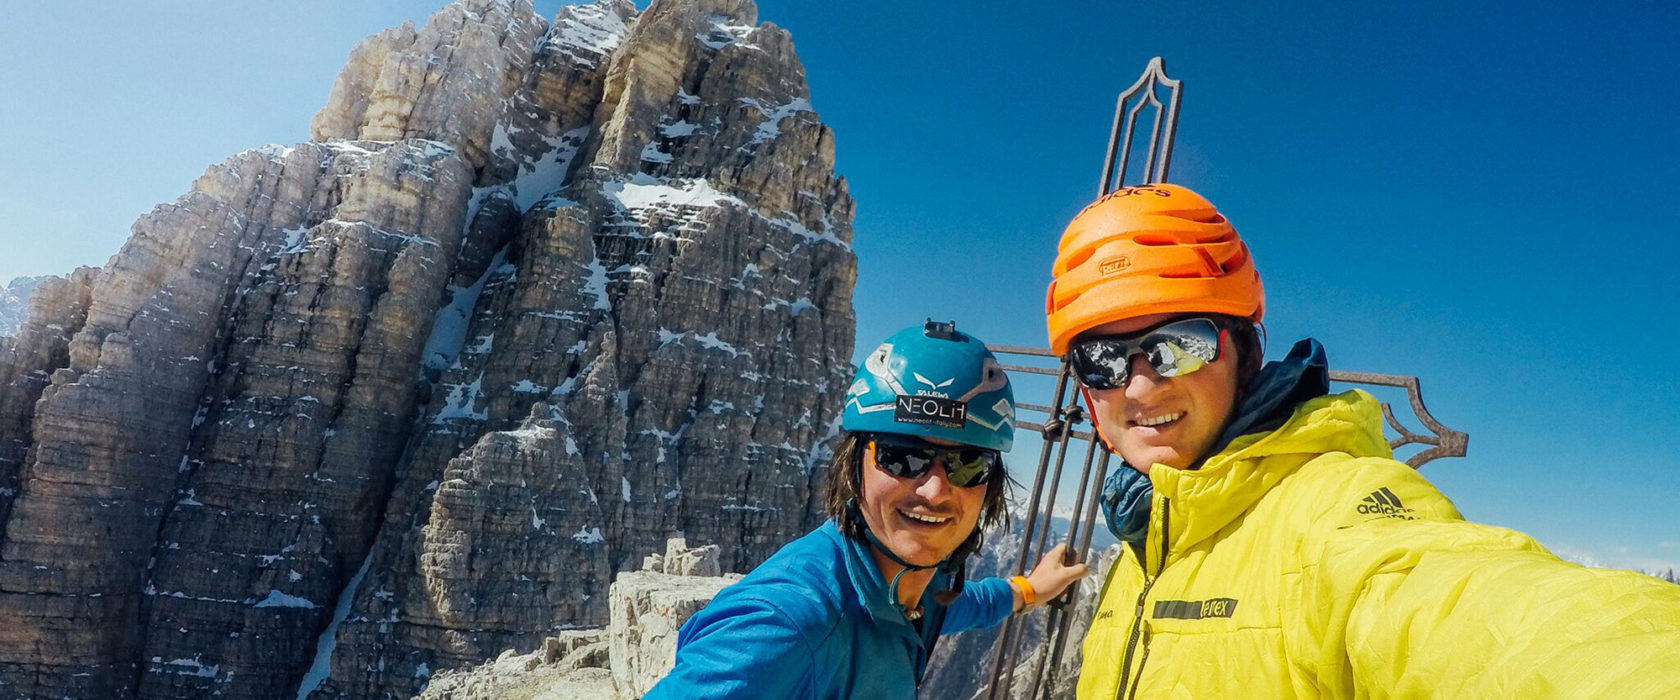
569 666
445 82
197 468
679 560
538 296
36 349
656 349
624 659
647 610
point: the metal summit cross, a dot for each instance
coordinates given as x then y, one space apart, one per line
1063 414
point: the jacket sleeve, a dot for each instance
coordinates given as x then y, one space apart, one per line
1409 600
983 603
741 646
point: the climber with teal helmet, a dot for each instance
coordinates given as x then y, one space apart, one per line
853 609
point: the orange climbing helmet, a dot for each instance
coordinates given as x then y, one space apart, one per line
1146 250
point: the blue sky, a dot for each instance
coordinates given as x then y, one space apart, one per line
1481 195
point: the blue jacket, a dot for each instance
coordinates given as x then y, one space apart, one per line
814 621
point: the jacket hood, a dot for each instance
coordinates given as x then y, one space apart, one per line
1204 501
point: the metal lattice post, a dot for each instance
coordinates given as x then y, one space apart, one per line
1003 657
1062 414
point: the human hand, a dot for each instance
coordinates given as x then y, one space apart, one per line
1051 577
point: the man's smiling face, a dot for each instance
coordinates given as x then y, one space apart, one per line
1154 419
922 520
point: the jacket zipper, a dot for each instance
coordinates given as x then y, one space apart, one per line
1137 621
1131 642
1141 662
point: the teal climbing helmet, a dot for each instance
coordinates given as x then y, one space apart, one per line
933 381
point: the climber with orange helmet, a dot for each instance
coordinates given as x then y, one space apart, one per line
853 609
1273 546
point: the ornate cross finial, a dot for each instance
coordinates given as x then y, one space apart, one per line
1161 131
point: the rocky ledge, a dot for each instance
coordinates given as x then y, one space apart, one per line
622 660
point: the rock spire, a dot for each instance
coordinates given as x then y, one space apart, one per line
535 297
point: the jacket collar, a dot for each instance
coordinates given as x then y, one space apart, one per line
1276 390
871 587
1205 500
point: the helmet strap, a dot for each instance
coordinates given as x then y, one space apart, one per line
955 565
956 568
1091 412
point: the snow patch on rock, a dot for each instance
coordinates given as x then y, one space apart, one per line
589 535
276 599
587 33
770 128
643 191
328 641
449 324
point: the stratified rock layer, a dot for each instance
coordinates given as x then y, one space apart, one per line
537 296
28 358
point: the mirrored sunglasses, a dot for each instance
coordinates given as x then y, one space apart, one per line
909 458
1172 350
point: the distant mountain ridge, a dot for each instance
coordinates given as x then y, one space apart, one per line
14 303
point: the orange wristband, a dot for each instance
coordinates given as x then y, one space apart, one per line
1028 595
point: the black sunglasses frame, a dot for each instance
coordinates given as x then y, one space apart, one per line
894 460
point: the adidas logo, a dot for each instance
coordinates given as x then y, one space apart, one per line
1383 502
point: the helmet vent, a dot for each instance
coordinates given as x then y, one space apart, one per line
1078 258
1210 268
1223 236
1238 261
1154 239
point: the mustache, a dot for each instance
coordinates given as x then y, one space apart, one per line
922 507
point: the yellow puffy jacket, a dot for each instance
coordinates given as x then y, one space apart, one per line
1307 563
